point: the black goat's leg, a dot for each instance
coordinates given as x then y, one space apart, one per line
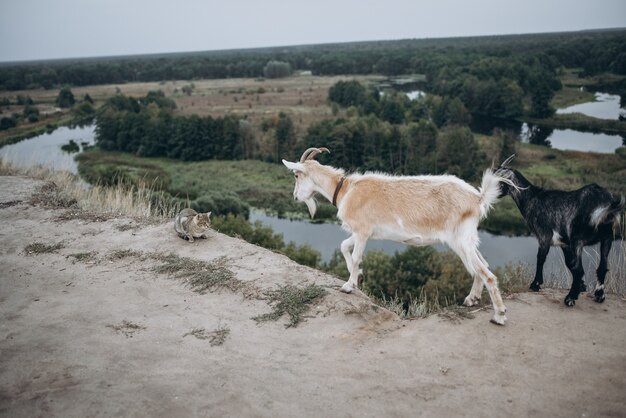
573 260
542 253
605 249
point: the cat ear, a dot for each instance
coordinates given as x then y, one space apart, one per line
208 214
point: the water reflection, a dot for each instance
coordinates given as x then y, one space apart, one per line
536 134
563 139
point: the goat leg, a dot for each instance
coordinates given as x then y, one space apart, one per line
542 253
605 248
574 264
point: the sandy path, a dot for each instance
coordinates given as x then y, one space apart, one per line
64 350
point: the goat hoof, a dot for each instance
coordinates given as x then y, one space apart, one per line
347 288
471 300
570 301
535 287
499 319
599 294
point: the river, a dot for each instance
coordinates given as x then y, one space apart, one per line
45 150
498 250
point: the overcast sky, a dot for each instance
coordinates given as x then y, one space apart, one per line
43 29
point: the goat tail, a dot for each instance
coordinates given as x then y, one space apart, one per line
609 214
489 191
615 210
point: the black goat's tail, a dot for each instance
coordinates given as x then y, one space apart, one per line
610 214
613 212
616 215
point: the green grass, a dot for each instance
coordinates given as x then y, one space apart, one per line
208 184
570 96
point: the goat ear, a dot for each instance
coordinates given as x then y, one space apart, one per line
294 166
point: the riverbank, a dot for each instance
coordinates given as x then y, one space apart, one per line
93 324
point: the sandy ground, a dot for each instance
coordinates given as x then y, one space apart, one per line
107 338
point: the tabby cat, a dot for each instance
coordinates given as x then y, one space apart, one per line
190 224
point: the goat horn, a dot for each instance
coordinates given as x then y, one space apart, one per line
312 153
506 162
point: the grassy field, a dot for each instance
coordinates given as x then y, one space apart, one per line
254 183
302 97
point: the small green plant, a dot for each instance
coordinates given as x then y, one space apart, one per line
215 337
41 248
292 301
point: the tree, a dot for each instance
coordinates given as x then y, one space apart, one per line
540 102
285 137
31 113
347 93
458 153
7 123
508 141
277 69
65 98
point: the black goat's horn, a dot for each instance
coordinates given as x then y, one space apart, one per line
311 153
506 162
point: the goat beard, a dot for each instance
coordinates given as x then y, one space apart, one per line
312 205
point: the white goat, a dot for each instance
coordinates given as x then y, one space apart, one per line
416 210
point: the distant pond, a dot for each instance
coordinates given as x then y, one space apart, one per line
605 106
563 139
45 150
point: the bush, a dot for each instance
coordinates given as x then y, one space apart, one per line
31 113
264 236
7 123
220 203
65 98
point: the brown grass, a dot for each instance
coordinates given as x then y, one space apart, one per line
37 248
64 190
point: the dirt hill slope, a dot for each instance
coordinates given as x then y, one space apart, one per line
90 328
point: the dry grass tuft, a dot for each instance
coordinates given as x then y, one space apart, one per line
83 257
200 275
122 254
52 196
293 301
64 190
127 328
40 248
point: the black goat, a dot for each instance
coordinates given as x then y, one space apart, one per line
570 220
